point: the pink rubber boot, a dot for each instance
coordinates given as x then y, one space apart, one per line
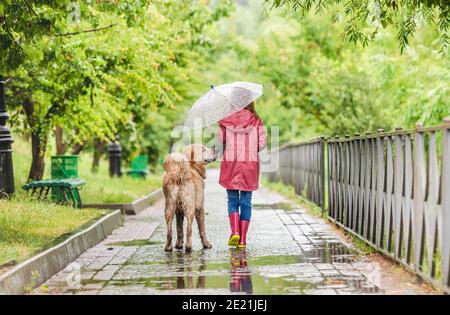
243 227
234 224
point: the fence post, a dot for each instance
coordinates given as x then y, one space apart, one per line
379 188
398 192
389 192
346 180
322 174
444 230
329 178
419 195
361 186
367 184
338 181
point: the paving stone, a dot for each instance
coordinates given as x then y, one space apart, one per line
106 273
328 273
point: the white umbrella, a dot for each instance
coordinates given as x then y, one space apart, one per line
222 101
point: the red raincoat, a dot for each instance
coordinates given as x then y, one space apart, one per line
243 135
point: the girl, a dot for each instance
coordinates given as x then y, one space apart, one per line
243 136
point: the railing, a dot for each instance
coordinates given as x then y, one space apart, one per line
392 190
302 166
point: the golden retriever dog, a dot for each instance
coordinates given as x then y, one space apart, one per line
183 187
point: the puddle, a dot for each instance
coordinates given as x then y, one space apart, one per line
330 253
278 262
235 283
243 273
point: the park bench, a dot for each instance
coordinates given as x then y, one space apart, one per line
64 191
139 167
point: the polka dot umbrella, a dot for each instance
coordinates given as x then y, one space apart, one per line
222 101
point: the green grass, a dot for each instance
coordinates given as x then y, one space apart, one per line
28 226
363 247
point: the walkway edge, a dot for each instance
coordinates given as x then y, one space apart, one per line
38 269
141 204
133 208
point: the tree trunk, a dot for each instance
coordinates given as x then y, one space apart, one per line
77 148
99 150
38 143
59 139
38 148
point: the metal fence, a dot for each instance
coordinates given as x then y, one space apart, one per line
390 189
302 166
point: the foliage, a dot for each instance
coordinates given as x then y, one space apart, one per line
23 21
325 86
365 19
108 72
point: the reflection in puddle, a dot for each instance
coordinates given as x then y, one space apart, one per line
241 280
184 265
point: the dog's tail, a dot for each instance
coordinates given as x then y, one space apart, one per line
177 167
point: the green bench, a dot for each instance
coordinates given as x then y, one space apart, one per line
139 167
65 191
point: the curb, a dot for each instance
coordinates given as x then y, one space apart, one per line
141 204
38 269
133 208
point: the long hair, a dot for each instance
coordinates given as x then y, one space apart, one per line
251 107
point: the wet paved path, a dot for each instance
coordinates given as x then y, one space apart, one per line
289 252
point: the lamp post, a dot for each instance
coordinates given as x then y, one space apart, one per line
6 164
115 154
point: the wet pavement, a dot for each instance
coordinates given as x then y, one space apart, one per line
288 252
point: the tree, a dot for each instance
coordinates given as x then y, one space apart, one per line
365 19
96 77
